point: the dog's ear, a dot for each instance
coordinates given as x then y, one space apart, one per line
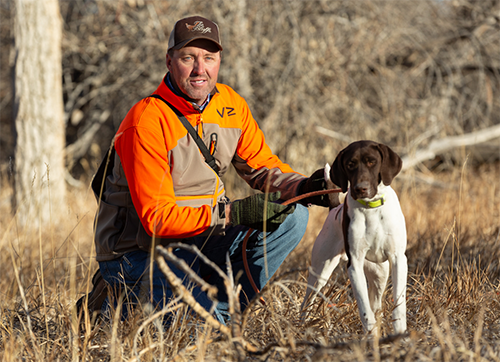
391 164
337 172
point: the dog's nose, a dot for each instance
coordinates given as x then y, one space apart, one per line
362 189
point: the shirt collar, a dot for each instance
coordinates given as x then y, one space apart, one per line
170 85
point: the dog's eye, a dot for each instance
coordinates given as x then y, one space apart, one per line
370 163
351 165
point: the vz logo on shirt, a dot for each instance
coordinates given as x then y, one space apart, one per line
230 112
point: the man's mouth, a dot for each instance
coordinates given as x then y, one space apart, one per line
198 81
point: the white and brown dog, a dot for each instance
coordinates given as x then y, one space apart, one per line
369 228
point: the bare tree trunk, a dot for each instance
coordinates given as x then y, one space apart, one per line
40 189
242 61
235 21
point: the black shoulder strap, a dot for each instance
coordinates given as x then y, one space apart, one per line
209 159
105 169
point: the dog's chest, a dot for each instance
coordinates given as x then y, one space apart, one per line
370 233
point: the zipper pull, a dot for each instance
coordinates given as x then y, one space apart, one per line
213 143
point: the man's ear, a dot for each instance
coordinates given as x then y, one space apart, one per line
168 61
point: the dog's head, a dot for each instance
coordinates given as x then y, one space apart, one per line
365 164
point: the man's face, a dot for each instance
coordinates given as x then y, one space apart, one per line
195 68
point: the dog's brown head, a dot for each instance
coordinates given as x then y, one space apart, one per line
365 164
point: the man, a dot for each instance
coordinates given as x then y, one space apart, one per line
159 188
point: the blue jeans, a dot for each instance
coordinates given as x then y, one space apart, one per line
132 269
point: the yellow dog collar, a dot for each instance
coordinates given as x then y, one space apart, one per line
373 204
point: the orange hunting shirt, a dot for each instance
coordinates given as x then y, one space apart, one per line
161 186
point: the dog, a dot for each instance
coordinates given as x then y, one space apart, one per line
368 229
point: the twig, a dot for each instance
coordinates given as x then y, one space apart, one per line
167 309
186 296
269 285
234 310
234 333
182 265
78 148
193 249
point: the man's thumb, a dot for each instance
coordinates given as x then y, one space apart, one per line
275 196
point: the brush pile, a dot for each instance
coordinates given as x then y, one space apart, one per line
401 73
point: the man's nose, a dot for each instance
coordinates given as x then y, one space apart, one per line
199 67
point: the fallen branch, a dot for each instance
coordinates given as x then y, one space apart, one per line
445 144
425 179
320 348
435 148
333 134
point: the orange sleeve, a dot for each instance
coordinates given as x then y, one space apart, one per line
253 148
258 166
144 159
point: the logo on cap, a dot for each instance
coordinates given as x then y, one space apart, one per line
199 26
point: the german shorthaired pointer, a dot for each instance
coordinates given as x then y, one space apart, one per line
369 228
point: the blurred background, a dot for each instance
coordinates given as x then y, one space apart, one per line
317 75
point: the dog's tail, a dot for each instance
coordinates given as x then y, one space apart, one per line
328 180
337 198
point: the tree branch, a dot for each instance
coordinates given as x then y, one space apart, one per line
444 144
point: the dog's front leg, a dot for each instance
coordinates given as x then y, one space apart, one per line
376 276
360 291
327 251
399 279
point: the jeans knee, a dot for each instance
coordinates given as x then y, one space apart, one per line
294 227
298 220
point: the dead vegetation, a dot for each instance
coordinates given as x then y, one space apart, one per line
453 294
403 73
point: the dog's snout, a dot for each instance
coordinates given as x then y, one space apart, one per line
362 189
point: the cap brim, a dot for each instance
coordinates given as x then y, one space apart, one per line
184 43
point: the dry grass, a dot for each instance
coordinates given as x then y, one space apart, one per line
398 72
453 292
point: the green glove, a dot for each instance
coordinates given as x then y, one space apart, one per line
314 183
250 212
317 183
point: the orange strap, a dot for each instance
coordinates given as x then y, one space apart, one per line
247 236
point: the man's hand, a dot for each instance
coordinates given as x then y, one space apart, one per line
317 183
250 212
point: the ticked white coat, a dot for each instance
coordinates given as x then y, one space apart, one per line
375 241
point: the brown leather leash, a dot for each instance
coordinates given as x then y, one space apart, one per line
247 236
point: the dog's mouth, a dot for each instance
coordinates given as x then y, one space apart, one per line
363 191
